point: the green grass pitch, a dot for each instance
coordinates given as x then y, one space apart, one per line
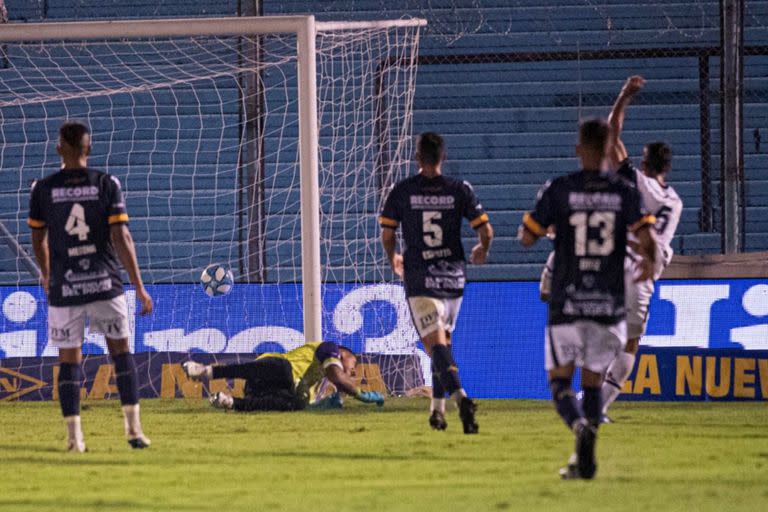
657 457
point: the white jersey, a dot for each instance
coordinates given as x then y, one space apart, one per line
664 203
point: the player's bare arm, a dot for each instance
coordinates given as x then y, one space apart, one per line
631 87
341 380
42 255
526 237
389 242
126 251
484 238
646 248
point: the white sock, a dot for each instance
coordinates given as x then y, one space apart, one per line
74 429
132 421
617 375
438 404
458 395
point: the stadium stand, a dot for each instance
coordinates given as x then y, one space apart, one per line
509 122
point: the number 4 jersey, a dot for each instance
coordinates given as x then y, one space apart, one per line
592 213
430 211
77 206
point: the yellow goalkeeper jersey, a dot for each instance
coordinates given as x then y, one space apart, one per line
308 364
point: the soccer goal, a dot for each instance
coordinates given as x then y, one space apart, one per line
263 143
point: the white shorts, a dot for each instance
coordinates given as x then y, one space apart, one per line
430 314
66 324
585 343
637 298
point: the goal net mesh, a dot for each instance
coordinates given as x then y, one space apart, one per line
203 133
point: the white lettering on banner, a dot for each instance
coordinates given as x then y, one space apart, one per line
348 319
249 339
174 340
693 305
19 343
754 302
19 307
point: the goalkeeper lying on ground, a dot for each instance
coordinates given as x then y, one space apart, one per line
283 382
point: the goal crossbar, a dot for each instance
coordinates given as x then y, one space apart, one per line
183 27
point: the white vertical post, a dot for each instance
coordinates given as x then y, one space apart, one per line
309 183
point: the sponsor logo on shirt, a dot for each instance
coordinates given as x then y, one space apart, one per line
594 201
437 253
86 288
76 277
81 250
69 194
432 202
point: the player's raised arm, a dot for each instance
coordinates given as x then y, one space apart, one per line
618 152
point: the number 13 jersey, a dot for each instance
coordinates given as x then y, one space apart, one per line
591 213
77 206
430 211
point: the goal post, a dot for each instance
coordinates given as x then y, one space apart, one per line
304 28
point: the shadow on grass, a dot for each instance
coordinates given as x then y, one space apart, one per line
420 455
30 448
73 459
99 504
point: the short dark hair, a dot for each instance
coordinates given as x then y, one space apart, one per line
594 134
658 158
72 133
430 148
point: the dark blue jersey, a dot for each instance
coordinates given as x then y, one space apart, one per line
430 211
76 207
591 213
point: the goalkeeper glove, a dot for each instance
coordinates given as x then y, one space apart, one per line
370 397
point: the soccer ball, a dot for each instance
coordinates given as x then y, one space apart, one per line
217 280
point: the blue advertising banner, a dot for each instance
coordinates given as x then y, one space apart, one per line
498 342
162 376
667 374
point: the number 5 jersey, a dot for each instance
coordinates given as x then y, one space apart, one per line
77 206
430 211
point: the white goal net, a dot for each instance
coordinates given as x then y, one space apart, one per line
203 133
